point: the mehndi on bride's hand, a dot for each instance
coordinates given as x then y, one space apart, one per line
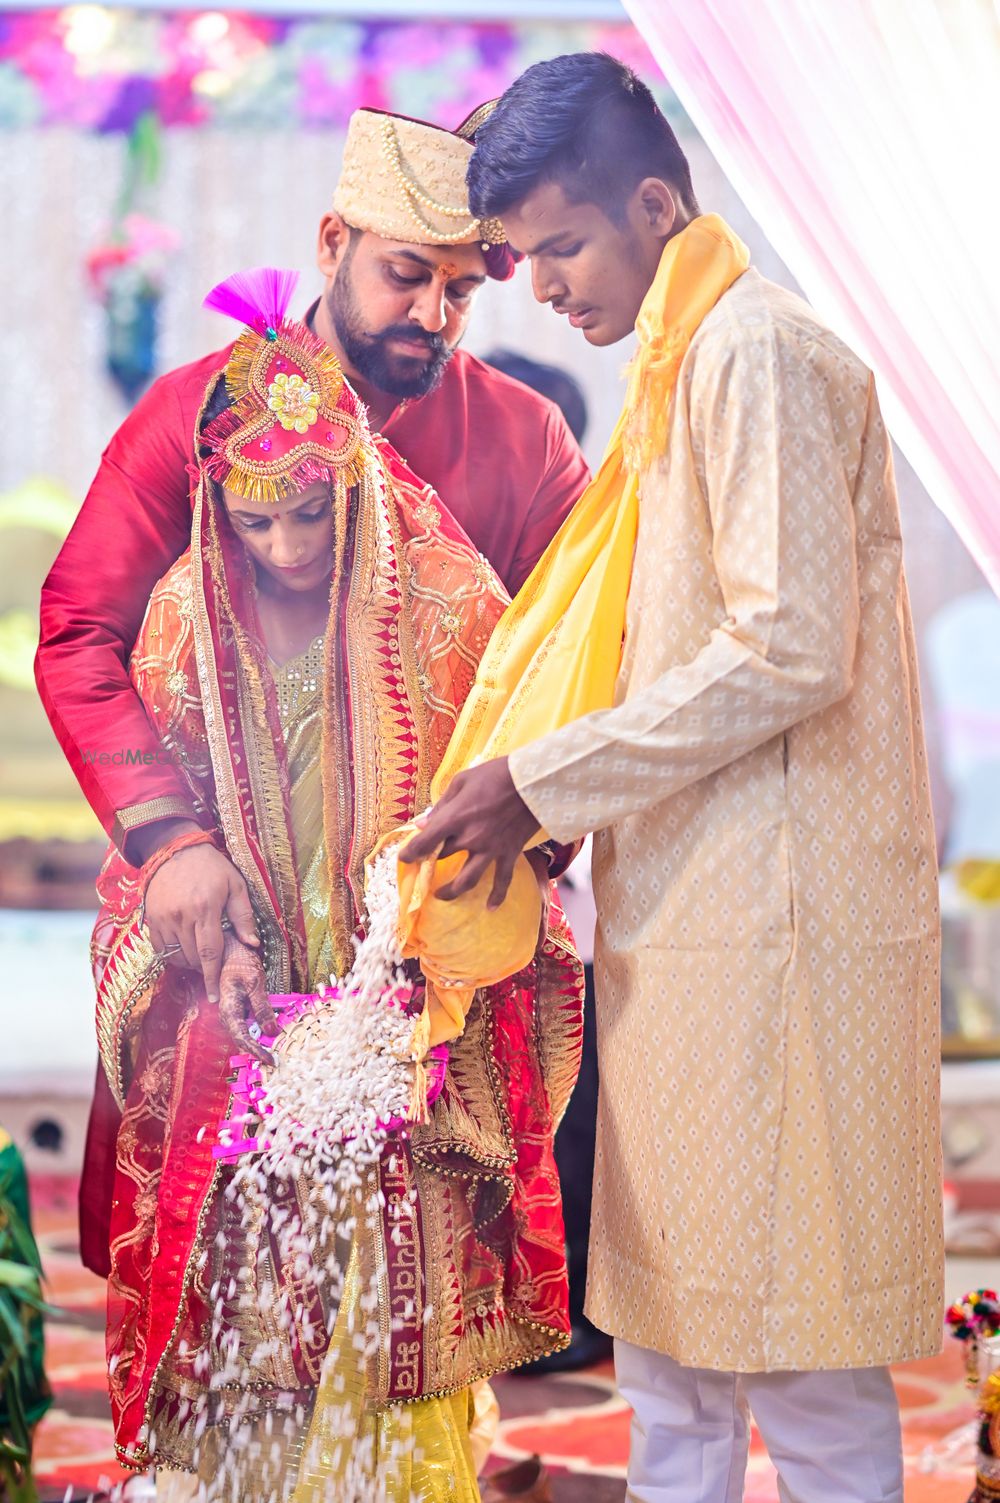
243 1001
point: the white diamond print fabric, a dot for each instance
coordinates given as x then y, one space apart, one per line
768 1176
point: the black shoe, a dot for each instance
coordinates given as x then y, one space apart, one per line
587 1347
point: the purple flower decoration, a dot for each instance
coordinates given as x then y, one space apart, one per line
135 98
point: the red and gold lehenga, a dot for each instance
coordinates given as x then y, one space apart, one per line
301 770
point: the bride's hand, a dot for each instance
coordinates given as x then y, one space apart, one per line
243 999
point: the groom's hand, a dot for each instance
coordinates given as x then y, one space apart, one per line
481 813
186 902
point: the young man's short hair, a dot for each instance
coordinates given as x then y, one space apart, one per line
584 121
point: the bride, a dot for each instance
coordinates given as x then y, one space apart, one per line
303 664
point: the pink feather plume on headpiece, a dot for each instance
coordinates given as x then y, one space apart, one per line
259 298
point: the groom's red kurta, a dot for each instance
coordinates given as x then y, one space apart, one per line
500 456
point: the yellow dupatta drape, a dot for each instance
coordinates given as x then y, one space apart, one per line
556 651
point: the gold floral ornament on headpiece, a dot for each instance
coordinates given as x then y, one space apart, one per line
404 180
293 419
295 402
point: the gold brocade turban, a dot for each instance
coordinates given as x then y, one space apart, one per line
405 180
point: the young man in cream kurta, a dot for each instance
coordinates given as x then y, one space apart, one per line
767 1198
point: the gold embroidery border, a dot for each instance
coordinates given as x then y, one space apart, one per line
133 816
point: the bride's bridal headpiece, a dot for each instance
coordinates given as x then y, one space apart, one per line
404 180
293 418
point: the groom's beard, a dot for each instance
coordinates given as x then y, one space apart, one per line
370 355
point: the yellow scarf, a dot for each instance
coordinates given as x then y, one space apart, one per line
556 651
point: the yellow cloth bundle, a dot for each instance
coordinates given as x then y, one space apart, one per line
463 945
556 651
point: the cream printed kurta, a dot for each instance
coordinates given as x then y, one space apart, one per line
768 1175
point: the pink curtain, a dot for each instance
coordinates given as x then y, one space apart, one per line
864 137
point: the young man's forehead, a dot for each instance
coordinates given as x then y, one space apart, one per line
546 215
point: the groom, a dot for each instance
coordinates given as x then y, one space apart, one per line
766 1226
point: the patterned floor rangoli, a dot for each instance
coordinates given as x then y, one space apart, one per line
578 1423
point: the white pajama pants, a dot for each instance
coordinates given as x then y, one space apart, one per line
833 1437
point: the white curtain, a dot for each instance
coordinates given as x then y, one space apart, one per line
864 136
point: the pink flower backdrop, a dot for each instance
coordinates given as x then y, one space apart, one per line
103 69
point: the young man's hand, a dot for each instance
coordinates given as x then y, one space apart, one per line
481 813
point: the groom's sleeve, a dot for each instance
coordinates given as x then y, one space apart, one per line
563 478
134 523
781 424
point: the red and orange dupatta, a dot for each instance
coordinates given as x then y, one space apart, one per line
476 1263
